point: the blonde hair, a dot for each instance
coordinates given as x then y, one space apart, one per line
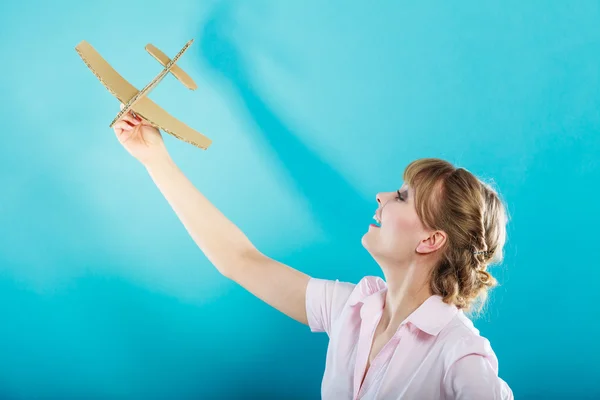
474 219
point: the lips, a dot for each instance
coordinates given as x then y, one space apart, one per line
377 223
377 217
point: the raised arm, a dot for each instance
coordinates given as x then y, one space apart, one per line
227 247
223 243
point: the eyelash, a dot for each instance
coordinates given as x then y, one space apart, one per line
399 197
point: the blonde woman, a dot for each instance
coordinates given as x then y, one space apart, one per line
405 337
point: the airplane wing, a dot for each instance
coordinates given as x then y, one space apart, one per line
124 91
158 117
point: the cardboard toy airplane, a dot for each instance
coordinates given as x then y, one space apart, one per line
137 101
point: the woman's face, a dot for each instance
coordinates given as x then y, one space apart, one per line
400 231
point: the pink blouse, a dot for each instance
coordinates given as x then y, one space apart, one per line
436 353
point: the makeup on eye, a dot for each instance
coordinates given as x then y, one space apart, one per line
400 196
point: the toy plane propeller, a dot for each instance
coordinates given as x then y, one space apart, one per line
137 100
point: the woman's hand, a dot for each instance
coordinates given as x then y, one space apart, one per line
142 140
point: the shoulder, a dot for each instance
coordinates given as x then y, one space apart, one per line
346 292
470 364
461 338
327 300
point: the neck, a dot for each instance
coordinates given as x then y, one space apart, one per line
408 288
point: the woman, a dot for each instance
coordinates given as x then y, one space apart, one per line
406 337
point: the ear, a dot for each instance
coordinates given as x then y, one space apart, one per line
433 242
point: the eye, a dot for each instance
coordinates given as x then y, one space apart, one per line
400 196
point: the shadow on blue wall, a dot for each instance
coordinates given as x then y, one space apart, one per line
328 192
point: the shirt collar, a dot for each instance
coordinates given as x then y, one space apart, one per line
430 317
433 315
370 295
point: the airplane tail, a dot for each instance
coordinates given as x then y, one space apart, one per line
179 73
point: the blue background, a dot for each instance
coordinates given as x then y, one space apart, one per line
313 107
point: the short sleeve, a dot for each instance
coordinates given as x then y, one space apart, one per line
474 374
325 300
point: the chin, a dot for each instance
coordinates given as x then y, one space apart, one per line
365 243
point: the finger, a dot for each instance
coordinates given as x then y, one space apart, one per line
123 125
127 134
129 118
134 133
138 117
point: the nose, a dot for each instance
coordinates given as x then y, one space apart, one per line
383 197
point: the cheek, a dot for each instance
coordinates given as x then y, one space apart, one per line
401 225
402 228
